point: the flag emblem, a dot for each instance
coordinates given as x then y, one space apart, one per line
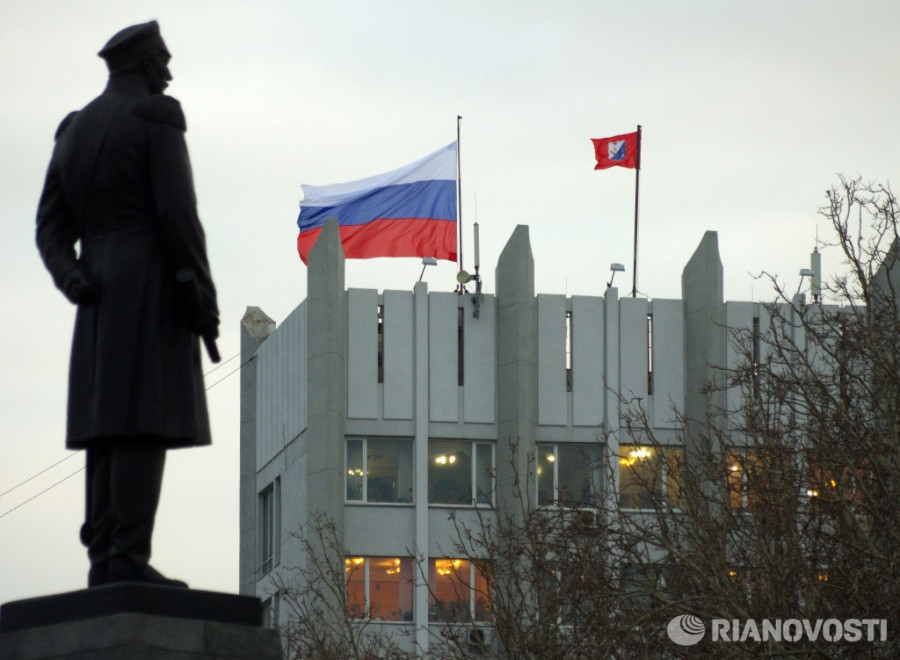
618 151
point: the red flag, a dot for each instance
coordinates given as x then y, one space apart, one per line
618 151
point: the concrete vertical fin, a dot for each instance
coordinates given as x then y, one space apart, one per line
705 340
327 376
256 326
516 363
422 397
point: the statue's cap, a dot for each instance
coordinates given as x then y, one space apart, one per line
128 46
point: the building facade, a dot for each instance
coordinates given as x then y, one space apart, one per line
399 415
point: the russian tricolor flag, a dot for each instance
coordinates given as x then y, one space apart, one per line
410 212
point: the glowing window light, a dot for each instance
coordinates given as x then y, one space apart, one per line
447 566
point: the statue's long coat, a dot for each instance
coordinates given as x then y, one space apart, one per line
120 183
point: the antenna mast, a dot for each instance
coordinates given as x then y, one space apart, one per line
459 195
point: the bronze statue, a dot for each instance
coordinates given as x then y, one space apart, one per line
119 187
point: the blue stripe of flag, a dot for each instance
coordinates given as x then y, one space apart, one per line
435 200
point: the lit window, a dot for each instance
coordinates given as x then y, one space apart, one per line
268 531
837 479
380 588
459 591
379 470
749 583
649 476
745 476
569 474
455 478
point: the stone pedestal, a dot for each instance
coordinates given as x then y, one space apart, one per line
136 621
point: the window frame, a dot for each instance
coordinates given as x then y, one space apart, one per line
270 612
364 441
746 461
407 616
474 573
596 469
268 527
663 476
474 490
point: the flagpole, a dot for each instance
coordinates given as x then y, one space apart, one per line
637 187
459 198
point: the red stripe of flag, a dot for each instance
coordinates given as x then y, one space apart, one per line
413 237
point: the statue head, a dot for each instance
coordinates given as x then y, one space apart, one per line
139 49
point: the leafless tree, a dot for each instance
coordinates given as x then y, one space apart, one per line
786 507
318 624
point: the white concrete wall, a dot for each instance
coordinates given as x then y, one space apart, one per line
385 531
552 404
281 393
362 353
398 355
668 362
633 352
479 362
443 365
587 361
738 316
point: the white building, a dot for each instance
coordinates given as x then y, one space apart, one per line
386 411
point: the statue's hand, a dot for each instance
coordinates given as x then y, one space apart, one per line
79 288
208 326
208 329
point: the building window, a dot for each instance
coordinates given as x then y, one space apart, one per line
460 472
270 612
757 353
649 476
459 591
379 470
638 584
837 480
268 528
460 347
563 595
380 343
568 351
380 588
569 474
745 477
649 353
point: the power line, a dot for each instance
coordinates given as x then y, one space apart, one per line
221 364
22 483
35 476
230 373
34 497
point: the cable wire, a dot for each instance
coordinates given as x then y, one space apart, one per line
22 483
34 497
35 476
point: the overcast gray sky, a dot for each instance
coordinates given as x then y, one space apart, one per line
749 111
